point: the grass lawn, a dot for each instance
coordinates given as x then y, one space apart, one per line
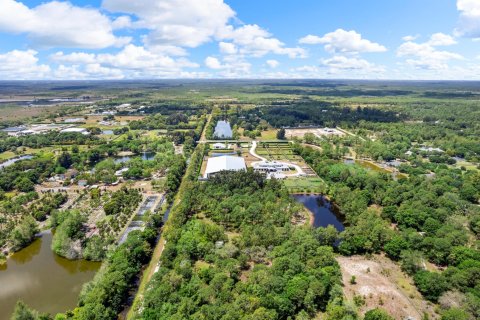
467 165
7 155
270 134
304 184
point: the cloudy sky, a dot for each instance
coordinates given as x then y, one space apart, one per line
147 39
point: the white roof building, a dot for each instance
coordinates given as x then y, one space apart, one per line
224 163
77 130
219 145
271 166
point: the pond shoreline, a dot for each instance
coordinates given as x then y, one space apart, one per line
43 280
322 210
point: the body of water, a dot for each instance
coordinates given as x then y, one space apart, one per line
109 132
324 212
42 279
144 156
12 161
223 130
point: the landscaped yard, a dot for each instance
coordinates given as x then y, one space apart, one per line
305 185
277 151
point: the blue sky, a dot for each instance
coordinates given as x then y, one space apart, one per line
147 39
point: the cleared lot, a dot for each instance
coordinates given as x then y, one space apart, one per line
381 283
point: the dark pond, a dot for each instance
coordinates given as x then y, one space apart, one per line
144 156
324 212
43 280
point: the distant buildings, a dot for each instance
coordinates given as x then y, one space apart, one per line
14 129
224 163
35 129
74 120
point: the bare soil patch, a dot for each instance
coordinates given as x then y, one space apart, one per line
382 284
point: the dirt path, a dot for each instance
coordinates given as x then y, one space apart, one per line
253 153
351 134
203 138
312 146
382 284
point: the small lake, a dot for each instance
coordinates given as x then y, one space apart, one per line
324 212
144 156
12 161
42 279
223 130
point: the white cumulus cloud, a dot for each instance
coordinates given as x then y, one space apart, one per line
256 41
469 23
22 65
441 39
132 62
350 63
231 66
186 23
411 37
273 63
342 41
59 24
213 63
227 47
426 56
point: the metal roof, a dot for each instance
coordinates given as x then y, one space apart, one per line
224 163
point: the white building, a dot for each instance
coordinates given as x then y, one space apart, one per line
76 130
224 163
271 166
219 145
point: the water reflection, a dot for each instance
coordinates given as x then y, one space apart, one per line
324 212
145 156
26 255
42 279
12 161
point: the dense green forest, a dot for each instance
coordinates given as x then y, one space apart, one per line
435 219
234 255
325 114
404 174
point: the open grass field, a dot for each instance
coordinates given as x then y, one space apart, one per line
45 150
7 155
20 113
305 185
270 134
467 165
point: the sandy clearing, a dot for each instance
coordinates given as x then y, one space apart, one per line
382 284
